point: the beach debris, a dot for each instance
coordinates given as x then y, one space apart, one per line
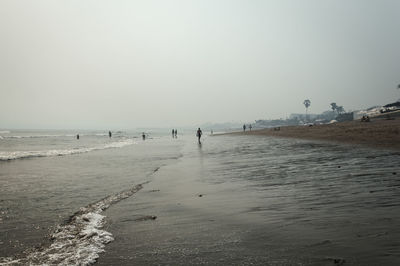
200 195
339 166
337 261
394 173
155 190
146 218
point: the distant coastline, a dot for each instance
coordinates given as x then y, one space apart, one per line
380 133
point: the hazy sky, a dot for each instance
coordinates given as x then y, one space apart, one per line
126 64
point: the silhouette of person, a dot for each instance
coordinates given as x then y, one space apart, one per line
143 136
176 133
77 136
198 134
109 134
173 133
250 127
244 128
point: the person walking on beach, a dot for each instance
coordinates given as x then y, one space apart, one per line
244 128
143 136
250 127
77 136
199 133
109 134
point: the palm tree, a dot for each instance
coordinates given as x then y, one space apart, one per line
334 106
307 104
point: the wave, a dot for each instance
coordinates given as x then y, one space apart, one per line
7 156
36 136
80 240
49 135
4 132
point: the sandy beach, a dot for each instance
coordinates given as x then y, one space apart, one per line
379 133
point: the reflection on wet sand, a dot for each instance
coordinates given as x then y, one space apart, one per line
267 201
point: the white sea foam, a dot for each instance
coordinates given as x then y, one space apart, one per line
4 132
39 136
50 135
80 240
12 155
99 134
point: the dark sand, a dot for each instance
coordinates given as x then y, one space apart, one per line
379 133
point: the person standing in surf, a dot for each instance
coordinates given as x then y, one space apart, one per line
199 133
109 134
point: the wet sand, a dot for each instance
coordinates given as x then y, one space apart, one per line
257 201
379 133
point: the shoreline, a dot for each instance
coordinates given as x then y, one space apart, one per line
379 133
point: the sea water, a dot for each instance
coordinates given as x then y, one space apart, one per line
243 200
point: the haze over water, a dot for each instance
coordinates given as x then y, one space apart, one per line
104 64
232 200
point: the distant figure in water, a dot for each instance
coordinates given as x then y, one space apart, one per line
176 133
143 136
244 128
250 127
173 133
77 136
109 134
199 133
211 132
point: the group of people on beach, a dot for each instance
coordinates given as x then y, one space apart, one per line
174 133
244 127
365 118
199 133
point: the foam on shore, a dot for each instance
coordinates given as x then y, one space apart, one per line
80 240
13 155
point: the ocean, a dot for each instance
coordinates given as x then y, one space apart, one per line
233 200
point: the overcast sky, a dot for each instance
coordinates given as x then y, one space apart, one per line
126 64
